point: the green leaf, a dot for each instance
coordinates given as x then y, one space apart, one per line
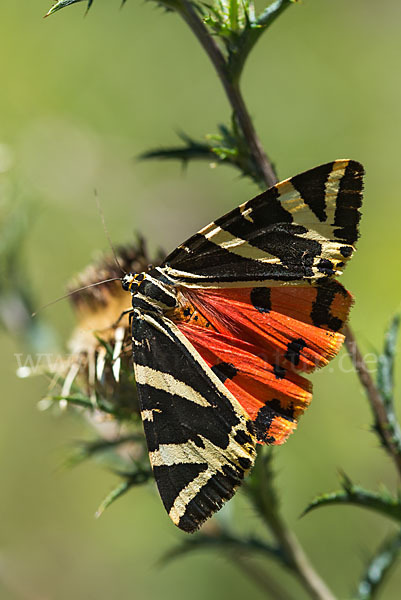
101 404
228 146
224 541
382 502
239 52
191 150
64 3
379 568
88 450
139 476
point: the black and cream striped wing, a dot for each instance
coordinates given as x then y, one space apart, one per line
298 231
200 441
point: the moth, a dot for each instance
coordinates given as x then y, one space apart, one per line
223 328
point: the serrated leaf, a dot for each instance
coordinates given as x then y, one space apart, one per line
382 502
379 568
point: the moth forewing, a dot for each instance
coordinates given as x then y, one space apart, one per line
201 441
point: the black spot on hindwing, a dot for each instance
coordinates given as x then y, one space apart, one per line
224 371
260 298
294 349
321 309
265 416
279 371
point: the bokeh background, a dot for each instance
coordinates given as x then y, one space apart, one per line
79 99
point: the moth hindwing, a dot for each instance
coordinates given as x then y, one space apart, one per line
223 329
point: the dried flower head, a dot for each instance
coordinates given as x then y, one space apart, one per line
100 345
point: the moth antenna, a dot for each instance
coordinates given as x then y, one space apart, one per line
85 287
107 233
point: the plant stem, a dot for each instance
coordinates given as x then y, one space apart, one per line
301 566
374 397
259 577
233 92
296 556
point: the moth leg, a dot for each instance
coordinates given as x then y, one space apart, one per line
128 311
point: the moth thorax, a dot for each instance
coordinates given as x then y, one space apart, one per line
132 281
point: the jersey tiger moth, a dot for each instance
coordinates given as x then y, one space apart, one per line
223 328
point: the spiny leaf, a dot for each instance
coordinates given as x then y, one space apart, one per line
379 568
226 147
224 541
101 404
228 18
191 150
250 34
273 11
87 450
139 476
63 3
382 502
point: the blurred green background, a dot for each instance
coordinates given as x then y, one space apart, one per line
79 99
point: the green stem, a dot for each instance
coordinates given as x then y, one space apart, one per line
301 566
259 577
261 490
376 402
232 90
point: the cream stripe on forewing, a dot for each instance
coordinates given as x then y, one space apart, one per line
239 246
189 452
187 494
332 188
165 381
186 278
216 459
292 201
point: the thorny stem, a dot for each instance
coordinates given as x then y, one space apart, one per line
232 90
296 556
374 397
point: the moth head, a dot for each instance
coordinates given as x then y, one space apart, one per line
132 281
